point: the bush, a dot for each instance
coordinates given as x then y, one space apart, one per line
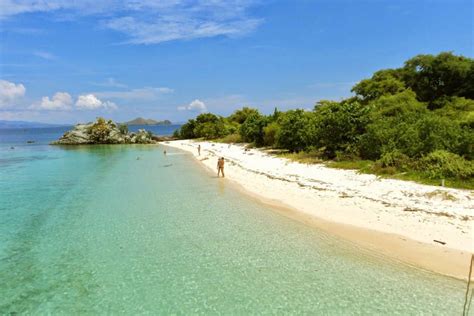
231 127
123 128
339 126
395 159
241 115
438 133
252 129
297 130
176 133
393 126
270 133
209 126
99 131
232 138
443 164
187 130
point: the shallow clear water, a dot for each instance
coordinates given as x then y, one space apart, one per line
95 230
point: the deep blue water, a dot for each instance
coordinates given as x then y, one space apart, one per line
45 135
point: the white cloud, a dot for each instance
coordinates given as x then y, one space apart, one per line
60 101
91 102
44 55
179 28
112 82
141 94
196 105
10 93
152 22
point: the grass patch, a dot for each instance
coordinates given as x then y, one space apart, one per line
232 138
302 157
424 179
361 165
371 167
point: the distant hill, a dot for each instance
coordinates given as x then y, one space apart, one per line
142 121
23 124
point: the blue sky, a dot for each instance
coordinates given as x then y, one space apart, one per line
67 61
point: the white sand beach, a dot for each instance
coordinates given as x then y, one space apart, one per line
427 226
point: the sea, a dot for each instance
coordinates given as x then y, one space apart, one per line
125 229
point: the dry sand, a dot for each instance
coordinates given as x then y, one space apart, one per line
400 219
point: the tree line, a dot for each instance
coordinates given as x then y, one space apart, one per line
417 117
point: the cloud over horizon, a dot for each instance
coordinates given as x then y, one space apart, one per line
91 102
60 101
10 92
195 106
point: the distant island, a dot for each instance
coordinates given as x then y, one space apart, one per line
142 121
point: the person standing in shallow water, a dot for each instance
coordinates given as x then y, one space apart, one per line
199 150
220 166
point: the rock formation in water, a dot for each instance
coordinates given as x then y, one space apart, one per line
104 132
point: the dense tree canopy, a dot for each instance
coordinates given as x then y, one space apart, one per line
417 117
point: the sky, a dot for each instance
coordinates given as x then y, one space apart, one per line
64 61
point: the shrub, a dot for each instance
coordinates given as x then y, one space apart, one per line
339 125
232 138
176 133
241 115
443 164
123 128
187 130
99 131
270 133
252 129
395 159
297 130
438 133
209 126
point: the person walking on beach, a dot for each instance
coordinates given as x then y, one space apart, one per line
220 166
199 150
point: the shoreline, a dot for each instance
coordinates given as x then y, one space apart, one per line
403 231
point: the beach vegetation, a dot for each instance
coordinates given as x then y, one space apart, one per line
252 129
415 122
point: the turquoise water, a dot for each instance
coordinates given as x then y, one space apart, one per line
94 230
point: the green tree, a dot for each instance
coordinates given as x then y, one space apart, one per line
187 130
297 129
432 77
242 114
339 125
270 133
392 126
252 129
209 126
383 82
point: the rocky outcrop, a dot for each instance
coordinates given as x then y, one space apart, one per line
103 132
